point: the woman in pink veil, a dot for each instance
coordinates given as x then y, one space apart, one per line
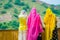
34 25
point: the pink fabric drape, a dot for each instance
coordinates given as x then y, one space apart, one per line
34 25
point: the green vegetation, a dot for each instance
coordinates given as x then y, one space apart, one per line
9 1
3 12
18 2
14 24
26 7
3 26
15 6
33 0
8 5
16 11
56 11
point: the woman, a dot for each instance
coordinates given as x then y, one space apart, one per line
34 25
23 25
50 22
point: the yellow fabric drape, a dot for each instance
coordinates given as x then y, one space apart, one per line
22 25
50 23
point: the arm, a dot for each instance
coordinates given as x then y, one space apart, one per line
40 24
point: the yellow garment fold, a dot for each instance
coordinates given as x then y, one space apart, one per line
22 21
50 23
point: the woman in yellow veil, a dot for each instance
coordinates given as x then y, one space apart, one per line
50 25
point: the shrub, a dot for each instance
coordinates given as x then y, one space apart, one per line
3 12
45 5
0 4
3 26
33 0
19 3
8 5
44 12
14 24
15 15
9 1
56 11
16 11
26 7
22 4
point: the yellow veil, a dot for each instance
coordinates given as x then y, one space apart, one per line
50 23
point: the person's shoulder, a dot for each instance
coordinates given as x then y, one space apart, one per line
20 15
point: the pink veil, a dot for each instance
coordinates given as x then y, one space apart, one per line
34 25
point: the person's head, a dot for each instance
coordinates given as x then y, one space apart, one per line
33 11
23 12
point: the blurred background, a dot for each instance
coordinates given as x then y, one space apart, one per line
10 9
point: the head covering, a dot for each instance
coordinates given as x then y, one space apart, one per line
34 25
33 11
50 23
23 12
